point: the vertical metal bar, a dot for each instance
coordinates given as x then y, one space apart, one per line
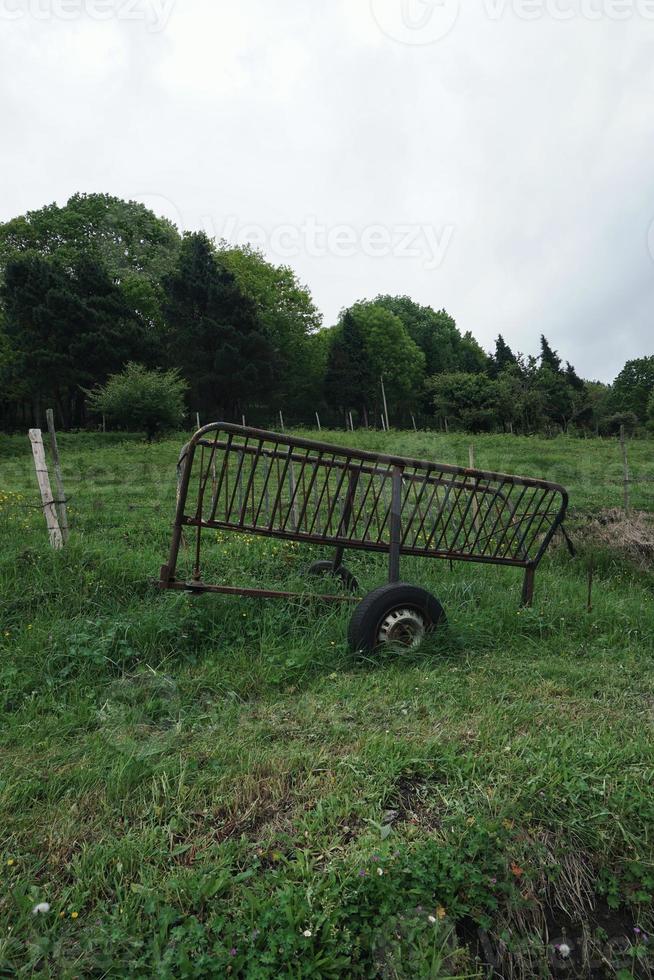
528 586
396 527
346 516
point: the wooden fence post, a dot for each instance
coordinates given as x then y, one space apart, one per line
318 421
62 510
625 469
49 509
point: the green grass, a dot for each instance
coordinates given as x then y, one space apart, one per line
192 783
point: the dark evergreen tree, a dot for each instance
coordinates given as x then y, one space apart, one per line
214 333
548 357
502 359
573 378
349 382
69 329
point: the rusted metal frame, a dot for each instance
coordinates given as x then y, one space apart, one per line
519 523
531 522
291 504
249 487
168 570
396 527
380 547
483 522
448 522
548 514
462 526
435 494
304 493
373 513
325 488
346 516
332 508
369 486
416 509
556 524
198 541
280 488
528 585
479 518
438 519
238 486
501 511
498 519
432 470
514 511
219 487
200 587
264 494
307 494
361 454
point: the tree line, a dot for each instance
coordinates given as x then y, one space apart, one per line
99 284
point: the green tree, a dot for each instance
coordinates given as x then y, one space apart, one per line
633 387
69 328
135 247
471 401
215 336
502 359
371 343
549 358
140 399
434 332
473 359
289 318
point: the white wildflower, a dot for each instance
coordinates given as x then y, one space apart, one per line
307 933
41 908
432 919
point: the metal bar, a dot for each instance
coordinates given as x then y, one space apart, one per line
404 462
201 587
381 547
528 586
396 527
346 516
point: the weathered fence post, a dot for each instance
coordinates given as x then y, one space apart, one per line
281 421
318 421
62 510
625 469
49 509
383 388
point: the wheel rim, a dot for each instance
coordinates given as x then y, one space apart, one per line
402 627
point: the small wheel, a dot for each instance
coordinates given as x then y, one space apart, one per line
399 615
327 568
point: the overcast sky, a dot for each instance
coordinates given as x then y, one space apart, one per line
495 158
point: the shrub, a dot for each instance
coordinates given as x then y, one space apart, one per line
141 399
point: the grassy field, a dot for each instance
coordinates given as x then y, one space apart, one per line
209 787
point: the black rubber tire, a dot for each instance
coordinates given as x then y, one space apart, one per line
363 631
327 568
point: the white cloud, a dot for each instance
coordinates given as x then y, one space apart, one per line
530 139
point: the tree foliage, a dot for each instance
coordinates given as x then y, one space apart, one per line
215 335
138 398
98 283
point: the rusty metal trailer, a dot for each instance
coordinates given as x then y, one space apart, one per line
240 479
